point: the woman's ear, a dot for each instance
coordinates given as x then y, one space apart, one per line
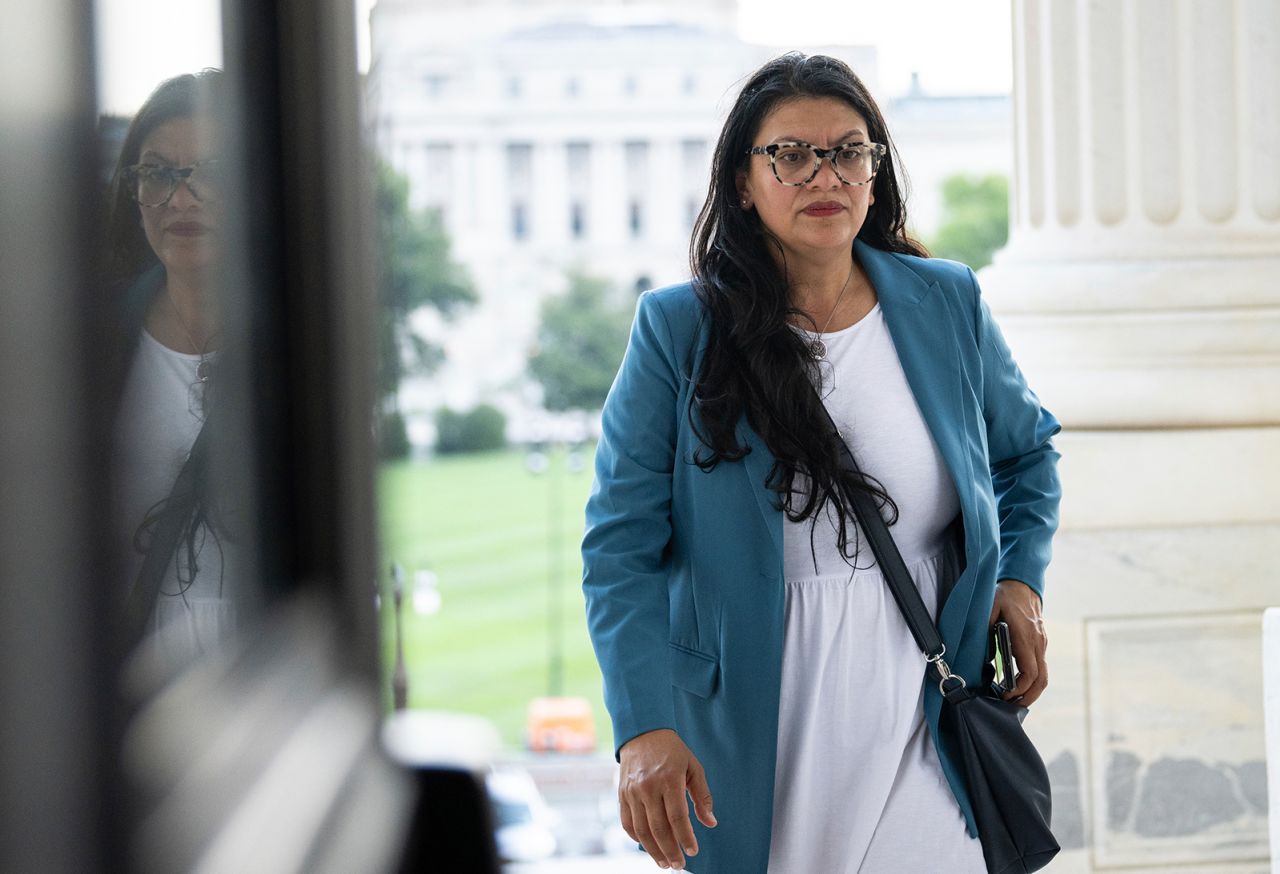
744 194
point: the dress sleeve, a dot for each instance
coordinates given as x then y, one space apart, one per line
1023 459
628 531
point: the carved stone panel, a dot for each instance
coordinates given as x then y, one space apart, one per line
1176 740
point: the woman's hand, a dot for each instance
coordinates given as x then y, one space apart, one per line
1019 605
656 771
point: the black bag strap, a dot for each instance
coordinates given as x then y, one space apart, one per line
904 590
174 518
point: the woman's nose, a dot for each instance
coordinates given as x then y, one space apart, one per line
826 176
183 196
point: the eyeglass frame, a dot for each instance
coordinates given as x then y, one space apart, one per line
878 151
175 174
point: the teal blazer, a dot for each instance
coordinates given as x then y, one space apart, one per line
682 569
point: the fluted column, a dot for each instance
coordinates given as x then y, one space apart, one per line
1140 293
1146 209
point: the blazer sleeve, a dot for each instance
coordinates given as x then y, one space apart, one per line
625 549
1023 460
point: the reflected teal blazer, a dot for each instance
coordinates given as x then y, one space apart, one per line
682 569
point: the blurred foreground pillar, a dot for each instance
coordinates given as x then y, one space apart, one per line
1140 292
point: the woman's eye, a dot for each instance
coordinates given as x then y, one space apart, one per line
790 156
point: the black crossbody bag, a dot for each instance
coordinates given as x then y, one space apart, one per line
1007 781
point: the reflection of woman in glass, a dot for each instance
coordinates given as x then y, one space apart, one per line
164 243
752 652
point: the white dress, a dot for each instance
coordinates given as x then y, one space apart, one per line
858 784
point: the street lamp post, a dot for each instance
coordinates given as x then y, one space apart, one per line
399 676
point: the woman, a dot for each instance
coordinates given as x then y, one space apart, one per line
164 245
751 651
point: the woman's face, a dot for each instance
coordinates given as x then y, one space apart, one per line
184 232
821 218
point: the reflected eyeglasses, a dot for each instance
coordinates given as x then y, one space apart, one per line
154 184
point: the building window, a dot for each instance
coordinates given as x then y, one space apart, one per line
578 170
520 186
637 158
690 84
578 165
695 174
630 86
438 174
520 168
519 221
571 86
636 219
435 83
514 86
636 155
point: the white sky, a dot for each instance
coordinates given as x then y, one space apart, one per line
957 47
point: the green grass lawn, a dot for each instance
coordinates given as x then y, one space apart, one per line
484 525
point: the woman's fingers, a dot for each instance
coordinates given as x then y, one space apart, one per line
677 812
664 834
700 792
640 831
1029 644
1037 688
624 815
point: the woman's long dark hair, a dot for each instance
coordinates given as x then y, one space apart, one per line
755 364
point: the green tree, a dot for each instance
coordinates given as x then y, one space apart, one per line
481 429
415 270
581 337
975 219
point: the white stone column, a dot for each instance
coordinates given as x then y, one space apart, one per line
1271 706
549 209
1146 209
1140 292
609 197
666 218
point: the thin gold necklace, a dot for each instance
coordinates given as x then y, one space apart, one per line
197 390
817 348
202 368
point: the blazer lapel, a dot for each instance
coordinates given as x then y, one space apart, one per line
925 340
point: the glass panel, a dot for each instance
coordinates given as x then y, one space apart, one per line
181 530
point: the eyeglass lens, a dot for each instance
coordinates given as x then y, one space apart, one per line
798 164
155 185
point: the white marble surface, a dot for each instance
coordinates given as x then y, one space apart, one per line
1271 699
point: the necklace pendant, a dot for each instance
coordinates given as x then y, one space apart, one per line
818 350
202 371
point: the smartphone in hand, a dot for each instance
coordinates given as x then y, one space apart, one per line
1000 653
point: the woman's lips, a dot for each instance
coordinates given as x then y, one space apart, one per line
188 229
823 209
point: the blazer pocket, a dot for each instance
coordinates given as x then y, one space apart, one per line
695 672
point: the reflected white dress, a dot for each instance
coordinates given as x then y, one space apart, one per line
160 415
858 784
